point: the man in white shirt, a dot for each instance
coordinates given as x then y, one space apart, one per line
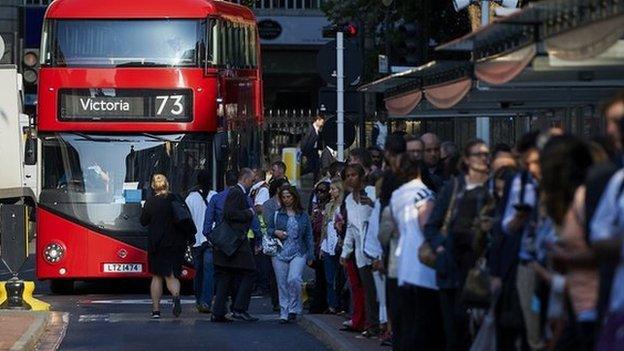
607 234
359 205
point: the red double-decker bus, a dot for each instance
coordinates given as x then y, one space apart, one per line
128 89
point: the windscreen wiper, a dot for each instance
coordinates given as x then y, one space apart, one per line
159 138
104 139
141 64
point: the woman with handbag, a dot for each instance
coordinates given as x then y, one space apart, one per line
165 245
331 243
450 233
292 226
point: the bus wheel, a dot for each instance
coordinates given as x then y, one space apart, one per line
62 286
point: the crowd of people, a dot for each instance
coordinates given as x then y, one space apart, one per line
429 246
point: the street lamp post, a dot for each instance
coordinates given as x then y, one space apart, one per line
483 123
340 94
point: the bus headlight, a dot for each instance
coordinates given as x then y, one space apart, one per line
54 252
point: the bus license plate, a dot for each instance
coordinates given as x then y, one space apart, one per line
123 268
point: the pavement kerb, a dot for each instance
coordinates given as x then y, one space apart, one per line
29 339
328 335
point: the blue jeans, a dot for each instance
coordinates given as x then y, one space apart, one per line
204 276
331 264
289 277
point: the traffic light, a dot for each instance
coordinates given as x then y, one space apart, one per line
406 50
350 30
30 66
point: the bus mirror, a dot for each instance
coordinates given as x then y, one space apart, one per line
30 151
221 146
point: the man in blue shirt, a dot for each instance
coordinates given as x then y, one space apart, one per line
214 211
519 222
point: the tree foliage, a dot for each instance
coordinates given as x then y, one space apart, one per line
437 22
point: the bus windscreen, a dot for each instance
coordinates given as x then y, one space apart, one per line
125 43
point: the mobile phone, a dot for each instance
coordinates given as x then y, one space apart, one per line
523 207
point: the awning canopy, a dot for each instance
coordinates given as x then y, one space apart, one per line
551 54
535 23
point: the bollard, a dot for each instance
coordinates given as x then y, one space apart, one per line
15 292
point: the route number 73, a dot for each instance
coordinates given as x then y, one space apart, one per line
173 104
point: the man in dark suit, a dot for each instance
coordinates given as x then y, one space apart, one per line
311 146
241 266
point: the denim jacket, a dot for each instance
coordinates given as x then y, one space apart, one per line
306 241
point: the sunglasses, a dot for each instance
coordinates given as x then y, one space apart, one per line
480 154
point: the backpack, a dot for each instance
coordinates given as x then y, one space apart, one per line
255 192
182 219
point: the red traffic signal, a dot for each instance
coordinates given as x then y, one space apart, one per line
350 30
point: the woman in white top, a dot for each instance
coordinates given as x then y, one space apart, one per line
420 315
359 205
331 242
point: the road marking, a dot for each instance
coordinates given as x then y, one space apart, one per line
165 301
94 318
134 302
186 318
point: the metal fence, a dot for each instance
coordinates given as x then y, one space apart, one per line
281 4
285 128
37 2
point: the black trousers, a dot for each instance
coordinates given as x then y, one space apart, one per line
393 305
421 320
319 298
455 321
225 277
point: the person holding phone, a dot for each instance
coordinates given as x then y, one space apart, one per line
519 224
359 205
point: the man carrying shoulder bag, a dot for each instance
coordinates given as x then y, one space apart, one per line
233 257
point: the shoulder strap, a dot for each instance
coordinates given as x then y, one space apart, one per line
617 218
524 179
449 210
203 197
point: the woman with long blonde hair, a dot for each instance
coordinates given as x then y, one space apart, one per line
331 241
165 245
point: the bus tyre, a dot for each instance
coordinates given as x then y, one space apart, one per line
62 286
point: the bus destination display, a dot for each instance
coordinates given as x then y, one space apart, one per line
124 104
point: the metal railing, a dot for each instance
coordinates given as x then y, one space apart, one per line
284 128
37 2
281 4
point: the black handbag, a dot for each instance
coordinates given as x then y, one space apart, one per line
226 239
183 220
476 290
